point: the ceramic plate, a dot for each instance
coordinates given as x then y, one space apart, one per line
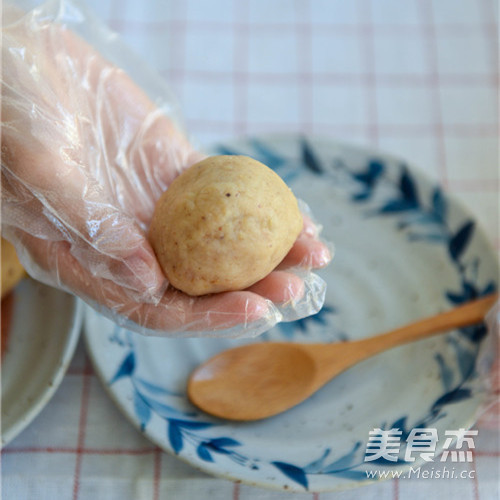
43 333
404 250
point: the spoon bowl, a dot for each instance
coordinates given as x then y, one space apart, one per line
288 378
260 380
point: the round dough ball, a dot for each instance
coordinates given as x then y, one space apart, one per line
224 224
12 269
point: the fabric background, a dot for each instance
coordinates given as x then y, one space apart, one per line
417 78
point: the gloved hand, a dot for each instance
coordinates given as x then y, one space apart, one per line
488 367
85 156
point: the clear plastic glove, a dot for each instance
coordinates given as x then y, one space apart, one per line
488 366
85 155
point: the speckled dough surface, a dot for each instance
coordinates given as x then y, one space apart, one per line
224 224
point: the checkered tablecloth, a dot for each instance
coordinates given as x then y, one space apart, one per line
418 78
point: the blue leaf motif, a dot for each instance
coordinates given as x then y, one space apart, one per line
474 333
489 288
219 445
317 466
289 328
458 242
454 396
465 358
344 462
400 423
445 371
142 410
362 196
156 389
162 409
293 472
479 332
422 218
126 368
456 298
175 436
191 424
428 237
469 292
223 150
309 158
203 453
373 171
398 205
266 155
439 204
408 188
223 442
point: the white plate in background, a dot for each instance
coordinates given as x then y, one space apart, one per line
44 330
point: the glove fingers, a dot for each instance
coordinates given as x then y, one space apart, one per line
279 287
307 253
176 311
137 274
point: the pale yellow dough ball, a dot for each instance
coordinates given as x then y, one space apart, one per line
223 224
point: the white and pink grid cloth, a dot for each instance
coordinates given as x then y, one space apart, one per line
417 78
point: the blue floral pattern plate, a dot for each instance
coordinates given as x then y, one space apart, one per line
404 250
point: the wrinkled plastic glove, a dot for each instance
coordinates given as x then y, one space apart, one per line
85 155
488 367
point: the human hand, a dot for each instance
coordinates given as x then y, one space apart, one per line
85 156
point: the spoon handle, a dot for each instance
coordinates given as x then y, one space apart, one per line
468 314
332 359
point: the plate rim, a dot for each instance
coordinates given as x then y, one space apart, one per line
8 434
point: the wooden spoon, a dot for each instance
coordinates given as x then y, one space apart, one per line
256 381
